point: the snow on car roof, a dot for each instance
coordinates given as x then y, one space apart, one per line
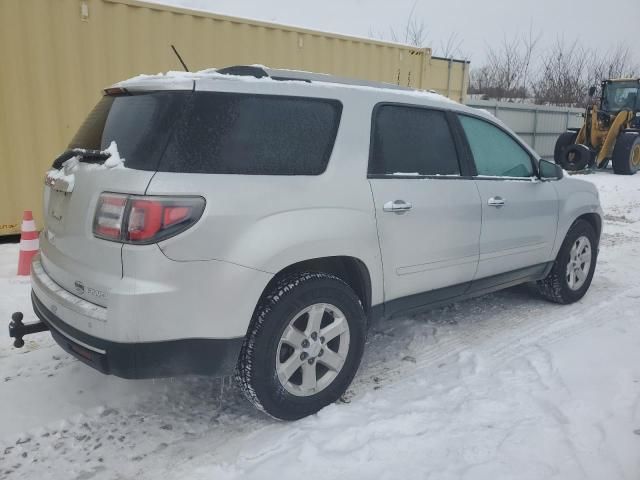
261 73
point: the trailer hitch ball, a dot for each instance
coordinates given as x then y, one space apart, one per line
16 324
18 330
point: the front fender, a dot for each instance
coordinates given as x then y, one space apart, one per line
573 203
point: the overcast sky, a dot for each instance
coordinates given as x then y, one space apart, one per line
598 24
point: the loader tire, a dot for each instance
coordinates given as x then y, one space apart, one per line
626 154
564 141
576 157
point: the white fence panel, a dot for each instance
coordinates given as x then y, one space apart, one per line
538 125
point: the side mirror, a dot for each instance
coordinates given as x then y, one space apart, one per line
549 170
592 91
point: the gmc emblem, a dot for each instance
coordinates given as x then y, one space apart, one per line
79 287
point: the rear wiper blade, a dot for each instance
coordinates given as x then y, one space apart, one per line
86 156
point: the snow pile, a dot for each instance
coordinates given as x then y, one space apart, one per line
502 387
114 160
64 178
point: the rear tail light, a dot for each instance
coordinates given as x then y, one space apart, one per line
142 219
109 216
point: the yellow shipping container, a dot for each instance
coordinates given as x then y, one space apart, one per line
59 54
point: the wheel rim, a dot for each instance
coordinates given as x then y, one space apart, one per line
635 157
579 263
570 160
313 349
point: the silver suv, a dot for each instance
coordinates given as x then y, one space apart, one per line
262 218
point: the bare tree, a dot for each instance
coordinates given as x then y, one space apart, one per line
506 72
568 70
616 62
562 77
452 47
529 43
414 32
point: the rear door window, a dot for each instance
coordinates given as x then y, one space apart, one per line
412 141
254 135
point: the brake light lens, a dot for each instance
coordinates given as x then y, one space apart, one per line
140 219
109 216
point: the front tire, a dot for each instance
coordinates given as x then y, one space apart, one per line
303 347
573 269
626 154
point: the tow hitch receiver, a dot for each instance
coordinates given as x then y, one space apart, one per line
17 329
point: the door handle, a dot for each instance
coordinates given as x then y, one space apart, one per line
397 206
496 202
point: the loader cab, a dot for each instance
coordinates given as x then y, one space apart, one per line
618 95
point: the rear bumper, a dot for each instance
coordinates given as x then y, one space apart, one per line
197 356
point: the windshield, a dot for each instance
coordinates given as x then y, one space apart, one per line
619 95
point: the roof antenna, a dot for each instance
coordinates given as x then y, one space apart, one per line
180 58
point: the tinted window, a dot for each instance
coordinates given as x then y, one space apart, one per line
89 135
141 125
253 134
413 141
207 132
495 153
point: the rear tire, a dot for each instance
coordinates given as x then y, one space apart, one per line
626 154
280 359
557 285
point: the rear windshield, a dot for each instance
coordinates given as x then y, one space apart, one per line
141 125
212 132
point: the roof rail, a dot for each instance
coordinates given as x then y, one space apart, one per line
259 71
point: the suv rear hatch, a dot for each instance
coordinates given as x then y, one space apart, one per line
187 137
140 126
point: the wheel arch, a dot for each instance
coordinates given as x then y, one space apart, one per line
594 220
353 271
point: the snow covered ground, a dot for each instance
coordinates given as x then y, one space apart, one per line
502 387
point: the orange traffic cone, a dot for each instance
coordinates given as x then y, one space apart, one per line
29 243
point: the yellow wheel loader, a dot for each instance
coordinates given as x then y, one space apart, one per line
611 131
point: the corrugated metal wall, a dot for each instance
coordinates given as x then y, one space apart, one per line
538 125
57 55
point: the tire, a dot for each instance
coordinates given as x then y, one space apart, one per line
556 285
261 359
564 141
576 157
626 154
